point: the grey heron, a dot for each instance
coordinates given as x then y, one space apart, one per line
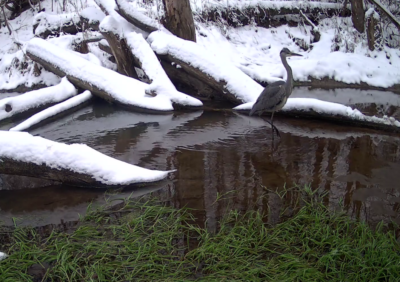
275 95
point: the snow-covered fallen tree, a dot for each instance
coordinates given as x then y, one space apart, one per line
55 111
228 80
45 24
314 108
103 82
36 100
267 13
75 164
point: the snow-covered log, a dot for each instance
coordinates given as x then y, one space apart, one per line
55 111
75 164
135 17
268 13
132 51
103 82
91 17
229 82
149 63
36 100
45 24
322 110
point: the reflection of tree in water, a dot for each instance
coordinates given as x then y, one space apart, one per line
248 166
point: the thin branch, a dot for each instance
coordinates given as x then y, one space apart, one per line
5 19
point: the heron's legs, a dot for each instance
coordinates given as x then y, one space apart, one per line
273 127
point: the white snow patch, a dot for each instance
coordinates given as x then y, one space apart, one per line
255 51
54 110
123 89
36 98
329 108
209 61
92 14
79 158
2 256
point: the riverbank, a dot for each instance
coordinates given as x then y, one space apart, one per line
144 240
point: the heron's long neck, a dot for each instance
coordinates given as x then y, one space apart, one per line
289 79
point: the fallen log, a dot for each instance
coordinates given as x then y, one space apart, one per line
105 83
75 164
65 108
45 24
329 111
221 75
269 13
36 100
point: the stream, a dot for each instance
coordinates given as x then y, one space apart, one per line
223 154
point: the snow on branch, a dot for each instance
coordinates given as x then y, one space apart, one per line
53 112
105 83
331 111
207 66
75 164
135 17
37 99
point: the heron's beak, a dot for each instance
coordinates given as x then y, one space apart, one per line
295 54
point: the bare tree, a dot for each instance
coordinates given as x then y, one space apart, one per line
358 15
179 19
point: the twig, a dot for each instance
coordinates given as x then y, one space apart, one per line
5 19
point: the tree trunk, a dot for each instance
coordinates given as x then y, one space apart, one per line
179 19
358 14
371 32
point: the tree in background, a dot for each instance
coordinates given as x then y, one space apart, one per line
179 19
358 15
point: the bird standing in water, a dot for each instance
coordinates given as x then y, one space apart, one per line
275 95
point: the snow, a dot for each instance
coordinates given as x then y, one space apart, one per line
199 6
92 14
371 12
79 158
46 21
12 76
255 51
123 89
135 12
54 110
2 256
36 98
209 61
152 67
382 7
328 108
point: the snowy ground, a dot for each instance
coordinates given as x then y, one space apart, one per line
254 50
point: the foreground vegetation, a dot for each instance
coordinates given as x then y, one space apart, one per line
146 241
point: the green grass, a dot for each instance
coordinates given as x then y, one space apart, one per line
146 241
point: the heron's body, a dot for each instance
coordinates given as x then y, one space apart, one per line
275 95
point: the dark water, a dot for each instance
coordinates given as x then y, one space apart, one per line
221 154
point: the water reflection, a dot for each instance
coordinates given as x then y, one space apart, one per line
218 152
